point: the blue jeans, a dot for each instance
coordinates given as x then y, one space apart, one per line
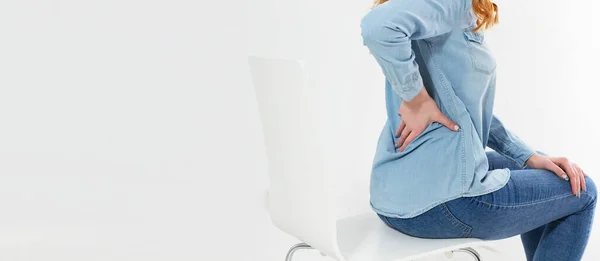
553 223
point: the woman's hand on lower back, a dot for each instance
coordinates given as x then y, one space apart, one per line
562 167
416 115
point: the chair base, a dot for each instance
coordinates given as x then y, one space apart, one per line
294 248
468 250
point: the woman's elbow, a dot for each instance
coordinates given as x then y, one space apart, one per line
375 29
371 28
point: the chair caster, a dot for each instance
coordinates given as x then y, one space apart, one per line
294 248
468 250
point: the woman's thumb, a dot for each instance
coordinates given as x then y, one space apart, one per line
448 123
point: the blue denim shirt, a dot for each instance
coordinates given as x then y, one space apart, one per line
429 44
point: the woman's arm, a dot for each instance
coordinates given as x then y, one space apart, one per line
387 30
507 143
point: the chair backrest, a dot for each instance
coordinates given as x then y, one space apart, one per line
300 200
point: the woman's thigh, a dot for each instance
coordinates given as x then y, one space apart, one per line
530 199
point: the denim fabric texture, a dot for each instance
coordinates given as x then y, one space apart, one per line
536 204
430 44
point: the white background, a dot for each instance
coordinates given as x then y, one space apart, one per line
129 129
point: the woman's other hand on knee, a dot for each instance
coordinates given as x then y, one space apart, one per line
563 168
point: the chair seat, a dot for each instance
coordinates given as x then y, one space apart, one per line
366 237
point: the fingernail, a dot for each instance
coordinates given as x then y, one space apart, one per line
456 128
565 177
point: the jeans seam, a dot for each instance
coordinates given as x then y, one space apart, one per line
525 204
456 222
592 202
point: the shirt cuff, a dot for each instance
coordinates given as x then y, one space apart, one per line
521 154
409 89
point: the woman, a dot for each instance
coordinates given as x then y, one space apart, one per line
431 175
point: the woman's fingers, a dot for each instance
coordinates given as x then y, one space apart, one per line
551 166
400 128
560 172
575 181
582 181
403 137
446 122
409 139
581 175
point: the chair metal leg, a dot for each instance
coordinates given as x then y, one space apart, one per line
471 251
298 246
295 247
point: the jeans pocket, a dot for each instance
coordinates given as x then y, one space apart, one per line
438 223
456 222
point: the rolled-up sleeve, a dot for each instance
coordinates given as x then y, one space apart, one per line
507 143
387 31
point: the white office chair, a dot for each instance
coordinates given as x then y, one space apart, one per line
300 199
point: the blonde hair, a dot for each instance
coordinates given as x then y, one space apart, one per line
485 10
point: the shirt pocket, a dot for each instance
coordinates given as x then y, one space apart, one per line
481 57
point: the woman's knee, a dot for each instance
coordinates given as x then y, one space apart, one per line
591 189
